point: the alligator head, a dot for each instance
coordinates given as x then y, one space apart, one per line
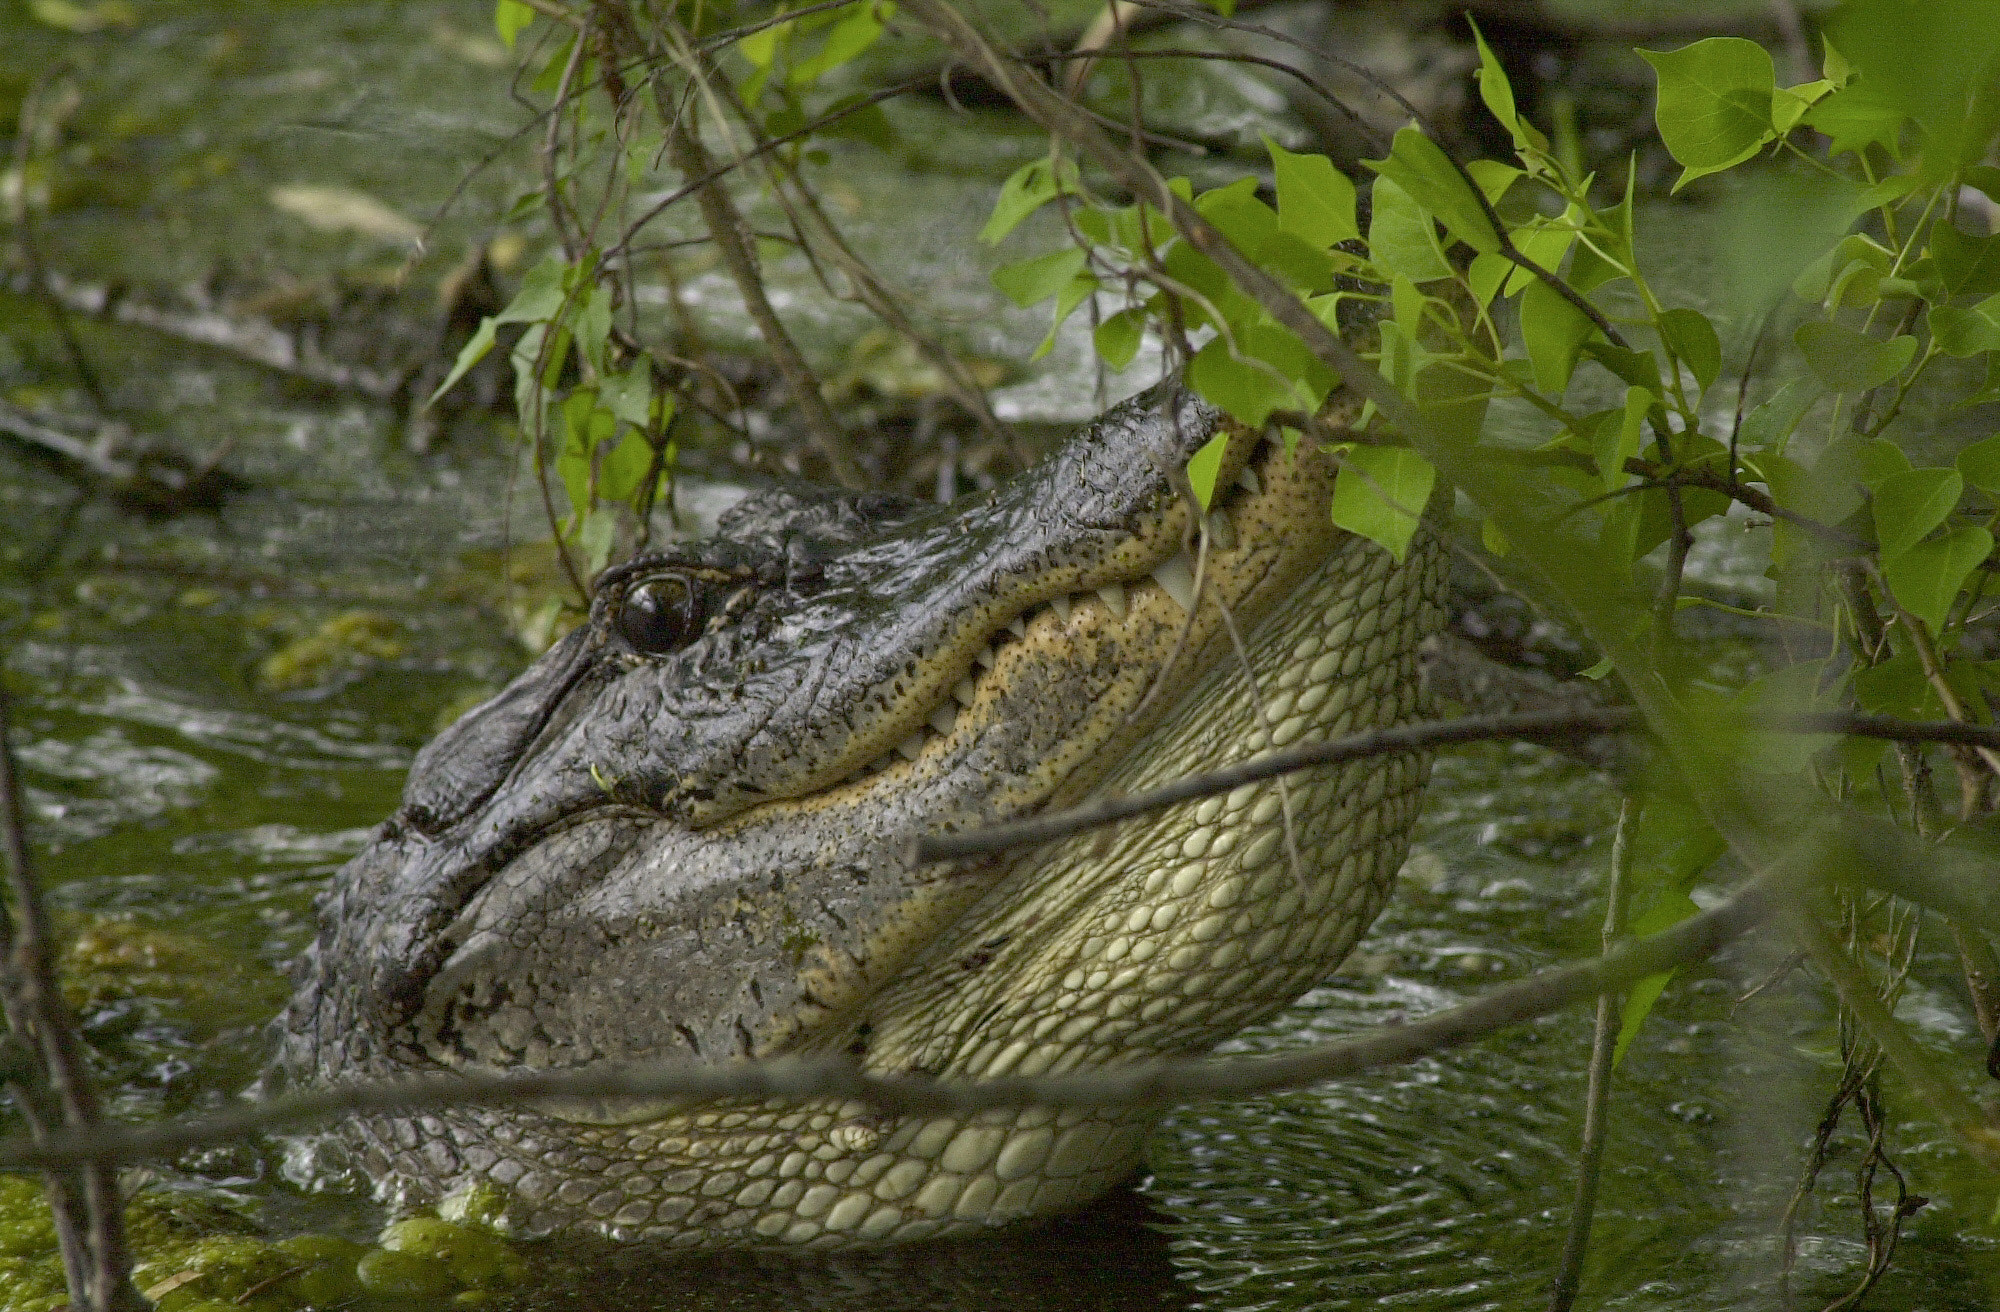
685 832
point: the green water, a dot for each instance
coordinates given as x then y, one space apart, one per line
213 710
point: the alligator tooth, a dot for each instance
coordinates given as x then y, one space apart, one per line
987 660
1249 482
1177 577
913 745
965 692
1113 596
1060 605
1019 626
944 719
881 763
1221 533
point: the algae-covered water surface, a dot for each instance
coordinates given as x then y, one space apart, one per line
214 707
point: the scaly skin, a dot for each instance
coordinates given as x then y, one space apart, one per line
673 911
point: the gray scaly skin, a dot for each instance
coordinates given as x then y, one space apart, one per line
683 833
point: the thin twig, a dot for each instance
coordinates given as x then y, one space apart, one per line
1152 1084
1527 726
1603 1047
726 226
38 1018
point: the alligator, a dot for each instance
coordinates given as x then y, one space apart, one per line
686 832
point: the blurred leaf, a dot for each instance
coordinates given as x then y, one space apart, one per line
1980 464
1772 422
1966 264
1927 61
1772 227
1033 280
510 19
1963 331
1026 190
1848 361
1118 337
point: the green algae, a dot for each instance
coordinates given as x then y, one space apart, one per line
193 1253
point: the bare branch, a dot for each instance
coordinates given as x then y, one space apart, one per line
1597 1094
1152 1084
99 1274
1528 726
727 228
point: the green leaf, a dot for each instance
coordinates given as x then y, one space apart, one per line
623 468
1910 504
1789 104
1487 273
1276 372
1925 60
1118 337
855 32
1848 361
629 395
1772 423
1619 442
1691 337
1962 331
1203 466
1238 215
1980 464
1855 118
1421 168
469 355
1071 296
1714 107
1926 578
1638 368
1775 226
1639 1004
1380 492
1493 178
1552 329
1300 263
1897 686
1315 199
1498 94
1401 237
1612 232
1545 245
510 19
1031 281
1026 190
1966 264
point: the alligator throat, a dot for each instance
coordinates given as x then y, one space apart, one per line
684 834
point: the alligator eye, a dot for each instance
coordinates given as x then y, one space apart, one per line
660 616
